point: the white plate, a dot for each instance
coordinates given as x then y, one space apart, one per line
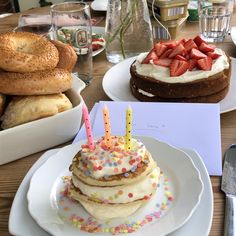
116 85
22 224
98 30
176 165
233 34
99 5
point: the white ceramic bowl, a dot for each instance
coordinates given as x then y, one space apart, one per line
35 136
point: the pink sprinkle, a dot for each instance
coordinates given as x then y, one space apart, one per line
100 168
116 170
130 195
123 170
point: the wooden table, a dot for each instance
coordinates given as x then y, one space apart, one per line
12 174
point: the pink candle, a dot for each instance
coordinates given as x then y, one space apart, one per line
88 127
107 126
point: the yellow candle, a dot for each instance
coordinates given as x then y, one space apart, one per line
107 126
128 128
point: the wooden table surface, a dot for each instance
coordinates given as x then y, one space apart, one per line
11 174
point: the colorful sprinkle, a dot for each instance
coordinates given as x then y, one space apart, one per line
130 195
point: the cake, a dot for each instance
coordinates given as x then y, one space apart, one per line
112 182
181 71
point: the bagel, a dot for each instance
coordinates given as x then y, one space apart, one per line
35 83
26 52
67 55
2 103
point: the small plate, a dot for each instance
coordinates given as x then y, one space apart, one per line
95 30
99 5
184 179
116 85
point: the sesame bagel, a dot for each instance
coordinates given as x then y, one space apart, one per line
67 55
26 52
35 83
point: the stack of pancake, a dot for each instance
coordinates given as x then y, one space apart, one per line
113 182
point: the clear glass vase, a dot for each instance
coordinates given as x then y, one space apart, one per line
128 29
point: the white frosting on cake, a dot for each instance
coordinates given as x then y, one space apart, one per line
104 161
142 189
163 73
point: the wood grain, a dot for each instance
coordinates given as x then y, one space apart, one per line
11 174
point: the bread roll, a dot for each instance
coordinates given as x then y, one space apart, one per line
24 109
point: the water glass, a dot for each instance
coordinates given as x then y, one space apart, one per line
214 19
71 24
128 30
34 23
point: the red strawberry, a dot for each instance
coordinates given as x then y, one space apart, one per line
150 56
205 63
163 62
183 41
196 54
192 64
166 53
160 49
204 47
179 57
178 50
213 55
170 43
198 40
178 67
189 45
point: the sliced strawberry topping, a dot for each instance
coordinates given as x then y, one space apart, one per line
178 50
179 57
160 49
183 41
189 45
166 53
150 56
204 47
163 62
192 64
213 55
198 40
170 44
196 54
205 63
178 67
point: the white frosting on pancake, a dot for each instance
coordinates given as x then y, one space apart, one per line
104 161
142 189
163 73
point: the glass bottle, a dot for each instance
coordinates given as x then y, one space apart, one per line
128 30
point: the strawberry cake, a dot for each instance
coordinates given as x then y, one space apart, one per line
181 71
113 182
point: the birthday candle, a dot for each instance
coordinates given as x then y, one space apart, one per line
88 127
128 128
107 126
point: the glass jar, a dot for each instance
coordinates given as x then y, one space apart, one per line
128 29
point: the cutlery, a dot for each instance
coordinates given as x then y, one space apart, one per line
228 185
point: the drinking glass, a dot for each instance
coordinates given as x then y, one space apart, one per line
71 24
128 30
34 23
214 19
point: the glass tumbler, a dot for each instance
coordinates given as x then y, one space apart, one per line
214 19
71 24
128 30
